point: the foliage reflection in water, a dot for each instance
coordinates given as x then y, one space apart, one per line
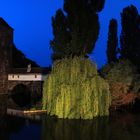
75 129
119 127
126 127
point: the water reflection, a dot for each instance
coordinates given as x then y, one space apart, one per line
125 127
96 129
13 128
122 127
119 127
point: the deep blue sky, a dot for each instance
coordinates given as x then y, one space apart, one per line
31 20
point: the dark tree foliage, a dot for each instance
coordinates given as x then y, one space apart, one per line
112 42
19 60
76 28
130 35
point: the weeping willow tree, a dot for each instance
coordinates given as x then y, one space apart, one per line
74 90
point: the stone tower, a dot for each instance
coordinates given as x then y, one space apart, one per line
6 43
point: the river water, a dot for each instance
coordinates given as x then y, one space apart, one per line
118 127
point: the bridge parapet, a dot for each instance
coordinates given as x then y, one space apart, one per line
22 74
27 77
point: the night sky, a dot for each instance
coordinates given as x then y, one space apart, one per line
31 20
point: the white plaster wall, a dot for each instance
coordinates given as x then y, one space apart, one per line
26 77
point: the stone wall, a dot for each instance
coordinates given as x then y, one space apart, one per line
6 42
3 104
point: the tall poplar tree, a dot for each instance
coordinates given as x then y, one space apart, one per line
76 28
112 42
130 35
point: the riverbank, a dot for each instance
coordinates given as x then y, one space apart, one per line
26 113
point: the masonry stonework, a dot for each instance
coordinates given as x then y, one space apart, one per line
6 44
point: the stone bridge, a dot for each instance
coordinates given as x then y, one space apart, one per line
24 85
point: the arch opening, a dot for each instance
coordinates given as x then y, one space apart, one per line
21 95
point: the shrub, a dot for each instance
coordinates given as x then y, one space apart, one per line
122 72
121 77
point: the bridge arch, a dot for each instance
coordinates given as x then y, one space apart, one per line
21 95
